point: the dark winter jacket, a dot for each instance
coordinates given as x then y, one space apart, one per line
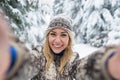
31 66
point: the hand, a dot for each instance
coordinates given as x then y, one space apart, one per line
4 47
114 64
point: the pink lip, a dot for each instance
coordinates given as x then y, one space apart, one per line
58 46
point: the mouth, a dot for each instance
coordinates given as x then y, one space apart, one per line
57 46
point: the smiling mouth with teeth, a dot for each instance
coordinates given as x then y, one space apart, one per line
57 46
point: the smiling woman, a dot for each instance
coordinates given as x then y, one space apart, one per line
55 59
58 42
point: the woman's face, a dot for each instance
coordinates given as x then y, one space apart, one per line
58 40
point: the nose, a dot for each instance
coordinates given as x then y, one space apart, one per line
57 39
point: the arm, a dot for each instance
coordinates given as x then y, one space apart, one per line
4 53
13 50
93 67
26 65
16 62
22 55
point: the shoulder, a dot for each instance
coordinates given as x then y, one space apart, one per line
37 56
74 57
37 51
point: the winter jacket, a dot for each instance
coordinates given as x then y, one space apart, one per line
88 68
31 66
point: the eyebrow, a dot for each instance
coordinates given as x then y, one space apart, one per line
64 32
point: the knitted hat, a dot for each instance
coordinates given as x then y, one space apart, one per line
60 22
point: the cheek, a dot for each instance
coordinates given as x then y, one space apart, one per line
66 41
50 40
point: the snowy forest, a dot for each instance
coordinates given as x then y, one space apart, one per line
95 22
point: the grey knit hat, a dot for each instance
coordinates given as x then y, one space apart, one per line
60 22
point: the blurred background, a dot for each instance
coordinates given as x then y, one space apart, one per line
95 22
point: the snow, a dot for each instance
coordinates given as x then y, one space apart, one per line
107 15
98 4
84 49
49 2
91 20
96 22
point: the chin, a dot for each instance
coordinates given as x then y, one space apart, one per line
57 52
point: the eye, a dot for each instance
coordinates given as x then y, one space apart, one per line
52 34
63 35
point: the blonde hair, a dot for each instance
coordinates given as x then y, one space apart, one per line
50 57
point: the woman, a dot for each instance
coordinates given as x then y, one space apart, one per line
57 61
57 52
